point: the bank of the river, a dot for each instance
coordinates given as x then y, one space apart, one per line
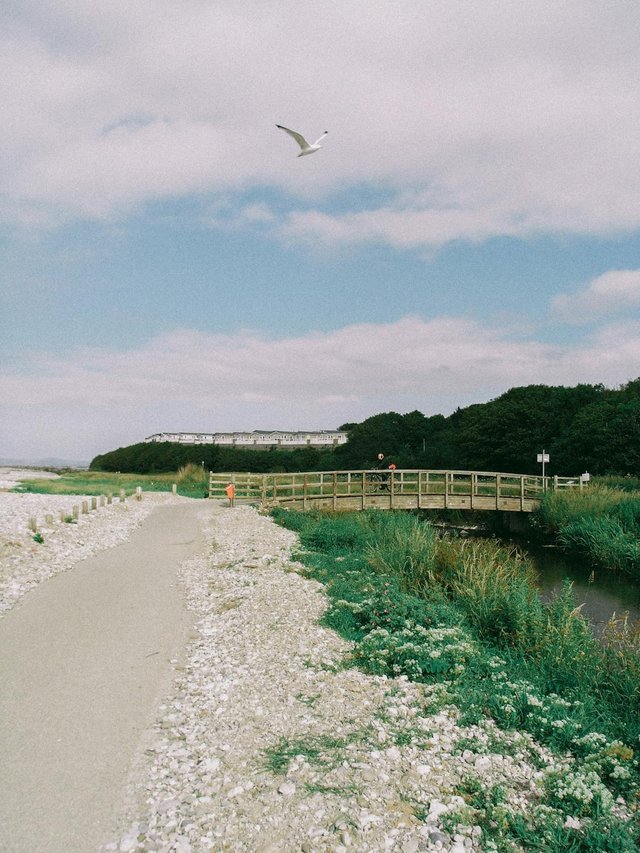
602 592
465 619
603 595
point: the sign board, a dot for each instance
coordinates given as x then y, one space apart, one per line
543 457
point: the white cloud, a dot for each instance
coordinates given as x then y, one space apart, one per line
195 380
497 119
610 293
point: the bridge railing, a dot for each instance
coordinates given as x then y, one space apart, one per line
401 489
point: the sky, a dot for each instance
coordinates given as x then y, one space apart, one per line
167 262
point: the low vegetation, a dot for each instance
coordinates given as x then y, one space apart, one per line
192 482
600 525
465 618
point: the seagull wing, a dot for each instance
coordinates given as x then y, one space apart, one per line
321 138
299 138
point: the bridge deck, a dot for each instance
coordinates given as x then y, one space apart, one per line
400 489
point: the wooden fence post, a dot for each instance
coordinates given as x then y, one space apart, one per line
122 495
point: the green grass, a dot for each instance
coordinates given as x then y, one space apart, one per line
80 482
319 750
600 524
465 617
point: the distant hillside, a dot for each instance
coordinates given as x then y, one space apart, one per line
582 428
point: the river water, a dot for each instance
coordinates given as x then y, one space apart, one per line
601 593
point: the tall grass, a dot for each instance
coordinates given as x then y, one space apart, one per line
80 482
600 524
467 615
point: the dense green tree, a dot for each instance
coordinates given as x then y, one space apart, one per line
584 428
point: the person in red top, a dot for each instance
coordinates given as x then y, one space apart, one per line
231 493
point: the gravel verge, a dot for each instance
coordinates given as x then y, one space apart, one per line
24 563
267 743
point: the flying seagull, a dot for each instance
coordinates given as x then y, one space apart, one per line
305 148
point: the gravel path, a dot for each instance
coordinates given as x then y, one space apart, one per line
85 659
25 563
266 744
262 740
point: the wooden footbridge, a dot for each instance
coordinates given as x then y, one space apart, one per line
400 489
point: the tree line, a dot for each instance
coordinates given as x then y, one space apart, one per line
582 428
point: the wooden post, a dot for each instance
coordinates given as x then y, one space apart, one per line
75 512
138 493
103 500
334 486
33 524
122 495
555 482
174 488
109 499
48 520
446 489
94 503
305 491
392 489
85 507
364 489
521 494
498 491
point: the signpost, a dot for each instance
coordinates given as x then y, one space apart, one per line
544 458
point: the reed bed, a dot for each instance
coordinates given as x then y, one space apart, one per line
600 525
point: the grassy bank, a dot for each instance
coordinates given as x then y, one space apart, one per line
192 482
465 618
600 525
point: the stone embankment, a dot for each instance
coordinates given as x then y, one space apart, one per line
268 743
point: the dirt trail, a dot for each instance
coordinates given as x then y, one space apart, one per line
83 660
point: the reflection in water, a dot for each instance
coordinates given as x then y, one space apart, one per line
601 593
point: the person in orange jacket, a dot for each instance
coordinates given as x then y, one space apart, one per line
231 493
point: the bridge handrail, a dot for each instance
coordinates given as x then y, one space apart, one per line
485 489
